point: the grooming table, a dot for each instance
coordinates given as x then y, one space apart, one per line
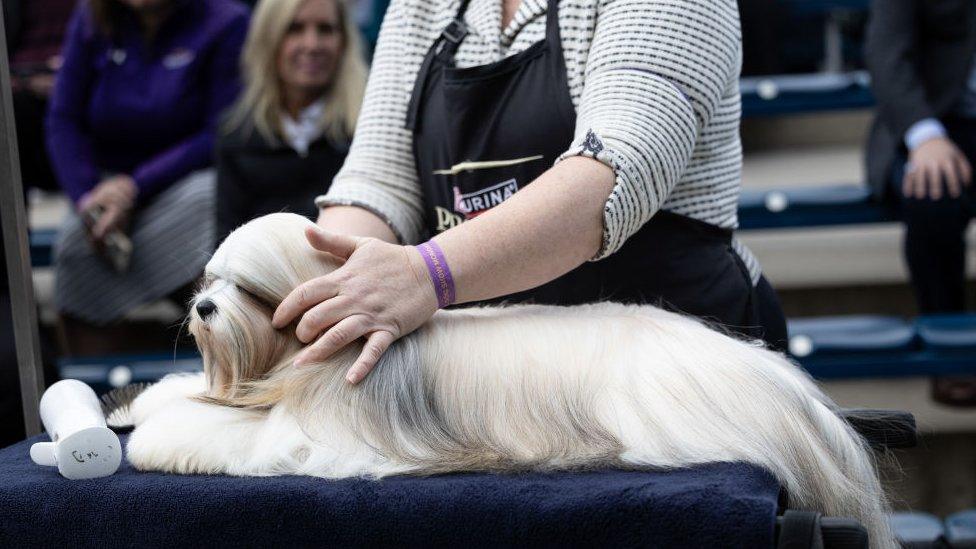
717 505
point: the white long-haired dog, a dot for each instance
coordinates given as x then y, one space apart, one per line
488 389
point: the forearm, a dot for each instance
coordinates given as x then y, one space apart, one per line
542 232
356 221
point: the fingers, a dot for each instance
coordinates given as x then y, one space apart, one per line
952 178
965 169
933 182
927 180
302 298
908 181
339 245
320 317
109 220
345 332
86 201
376 345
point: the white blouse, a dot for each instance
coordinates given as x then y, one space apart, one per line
299 134
655 80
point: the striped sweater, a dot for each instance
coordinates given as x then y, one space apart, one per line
656 81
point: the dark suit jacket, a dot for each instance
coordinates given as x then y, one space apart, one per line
919 54
256 178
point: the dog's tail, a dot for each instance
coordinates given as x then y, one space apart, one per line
706 398
823 462
837 471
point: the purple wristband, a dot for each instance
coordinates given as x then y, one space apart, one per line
440 273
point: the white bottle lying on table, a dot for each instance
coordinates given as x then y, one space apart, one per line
81 446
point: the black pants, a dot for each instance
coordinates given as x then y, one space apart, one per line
935 247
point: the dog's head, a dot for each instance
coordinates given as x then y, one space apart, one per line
249 275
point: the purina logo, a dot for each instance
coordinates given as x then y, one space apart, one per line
478 202
470 205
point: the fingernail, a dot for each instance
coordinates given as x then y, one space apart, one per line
351 378
300 361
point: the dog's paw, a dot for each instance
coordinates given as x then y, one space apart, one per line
167 391
190 437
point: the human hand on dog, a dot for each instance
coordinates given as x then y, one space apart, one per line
382 292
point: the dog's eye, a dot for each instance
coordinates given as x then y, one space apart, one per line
247 292
256 298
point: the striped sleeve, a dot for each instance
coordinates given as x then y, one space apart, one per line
379 174
656 72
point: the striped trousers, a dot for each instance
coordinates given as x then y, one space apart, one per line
172 239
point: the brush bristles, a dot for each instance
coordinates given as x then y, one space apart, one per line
116 404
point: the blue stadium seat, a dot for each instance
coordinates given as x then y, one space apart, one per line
855 346
879 346
42 247
842 204
820 6
961 529
802 93
917 530
810 337
956 332
108 372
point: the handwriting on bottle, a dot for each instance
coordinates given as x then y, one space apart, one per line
84 457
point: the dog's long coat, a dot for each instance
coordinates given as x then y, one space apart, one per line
501 389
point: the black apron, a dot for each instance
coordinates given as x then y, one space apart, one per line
519 109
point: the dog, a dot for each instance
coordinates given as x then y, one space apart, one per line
504 389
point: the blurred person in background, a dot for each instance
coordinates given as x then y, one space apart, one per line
923 144
289 132
130 132
921 149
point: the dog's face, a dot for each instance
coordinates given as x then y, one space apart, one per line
249 275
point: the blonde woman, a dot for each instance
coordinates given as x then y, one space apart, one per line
288 133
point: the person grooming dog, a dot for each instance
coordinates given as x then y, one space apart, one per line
525 387
547 160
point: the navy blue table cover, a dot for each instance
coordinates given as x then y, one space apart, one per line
717 505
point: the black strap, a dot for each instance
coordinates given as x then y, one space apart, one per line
800 530
449 41
552 23
443 49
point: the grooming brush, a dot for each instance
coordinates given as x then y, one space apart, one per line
116 406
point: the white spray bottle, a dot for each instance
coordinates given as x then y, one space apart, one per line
81 446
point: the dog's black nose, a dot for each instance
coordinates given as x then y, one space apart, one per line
206 308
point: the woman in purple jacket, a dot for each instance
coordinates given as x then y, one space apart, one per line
130 131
